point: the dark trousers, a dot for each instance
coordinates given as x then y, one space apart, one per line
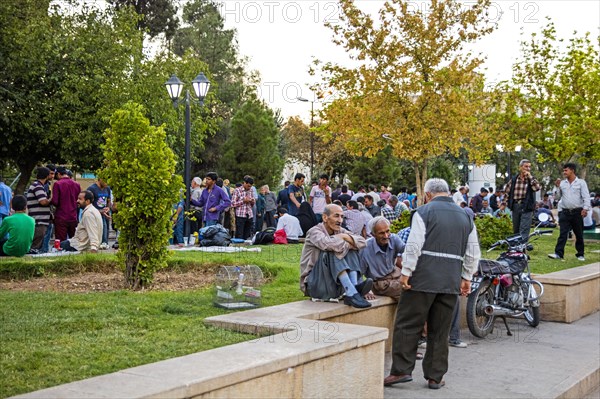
38 236
243 227
570 220
521 220
64 229
270 219
414 309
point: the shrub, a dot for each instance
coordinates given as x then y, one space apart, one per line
139 167
491 229
402 222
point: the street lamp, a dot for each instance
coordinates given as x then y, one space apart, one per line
174 86
500 148
312 134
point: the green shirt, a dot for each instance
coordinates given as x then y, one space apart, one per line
20 228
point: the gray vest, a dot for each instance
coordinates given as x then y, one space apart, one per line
440 265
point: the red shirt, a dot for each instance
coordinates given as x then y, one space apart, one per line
64 197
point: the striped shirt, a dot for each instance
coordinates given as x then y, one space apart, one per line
355 221
40 213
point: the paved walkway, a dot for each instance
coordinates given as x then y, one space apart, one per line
534 363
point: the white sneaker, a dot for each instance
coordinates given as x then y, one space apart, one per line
104 246
554 256
581 258
458 344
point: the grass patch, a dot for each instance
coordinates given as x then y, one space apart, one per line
53 338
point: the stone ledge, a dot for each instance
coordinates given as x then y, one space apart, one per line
570 294
290 363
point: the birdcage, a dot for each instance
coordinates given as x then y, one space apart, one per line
238 287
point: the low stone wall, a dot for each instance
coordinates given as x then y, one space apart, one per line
570 294
308 353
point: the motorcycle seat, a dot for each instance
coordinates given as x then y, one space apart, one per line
488 266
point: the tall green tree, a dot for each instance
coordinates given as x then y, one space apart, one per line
204 35
413 83
134 151
156 16
252 148
553 99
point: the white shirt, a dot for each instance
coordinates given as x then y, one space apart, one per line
291 225
376 197
415 242
572 195
457 197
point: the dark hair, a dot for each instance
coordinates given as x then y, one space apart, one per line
212 176
352 203
372 187
19 203
571 166
220 182
282 210
42 173
361 199
299 176
69 173
369 197
381 203
88 195
61 170
337 202
324 176
51 167
483 190
344 188
287 183
248 180
361 187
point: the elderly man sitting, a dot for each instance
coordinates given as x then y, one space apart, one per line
330 263
89 230
381 260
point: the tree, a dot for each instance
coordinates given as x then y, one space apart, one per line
412 83
61 76
554 97
387 167
252 148
139 167
157 16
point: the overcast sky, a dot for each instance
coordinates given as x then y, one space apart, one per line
282 37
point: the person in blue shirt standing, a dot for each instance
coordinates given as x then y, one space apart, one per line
5 197
213 199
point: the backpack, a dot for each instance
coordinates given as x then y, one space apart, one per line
264 237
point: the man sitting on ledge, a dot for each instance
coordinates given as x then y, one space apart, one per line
330 262
89 230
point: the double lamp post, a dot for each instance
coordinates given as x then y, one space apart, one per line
201 84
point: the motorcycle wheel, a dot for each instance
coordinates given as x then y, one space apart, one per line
532 315
479 323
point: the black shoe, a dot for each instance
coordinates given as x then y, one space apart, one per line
357 301
364 287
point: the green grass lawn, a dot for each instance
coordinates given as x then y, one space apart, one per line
53 338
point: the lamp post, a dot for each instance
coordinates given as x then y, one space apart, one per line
312 134
500 148
174 86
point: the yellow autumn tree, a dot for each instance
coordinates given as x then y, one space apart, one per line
415 86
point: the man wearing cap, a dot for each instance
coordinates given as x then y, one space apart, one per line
242 201
214 200
196 185
64 197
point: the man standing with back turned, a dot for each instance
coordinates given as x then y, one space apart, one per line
441 255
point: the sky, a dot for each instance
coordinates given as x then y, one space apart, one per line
282 38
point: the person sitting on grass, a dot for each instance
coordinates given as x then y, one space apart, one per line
19 227
88 234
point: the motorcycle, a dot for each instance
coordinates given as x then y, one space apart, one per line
504 287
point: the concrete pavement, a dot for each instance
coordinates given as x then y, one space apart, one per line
551 361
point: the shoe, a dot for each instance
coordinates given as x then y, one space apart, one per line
554 256
396 379
457 344
436 385
364 287
422 343
357 301
104 246
581 258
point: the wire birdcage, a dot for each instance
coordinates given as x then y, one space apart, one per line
237 287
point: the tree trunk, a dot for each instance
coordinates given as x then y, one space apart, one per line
25 168
421 178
